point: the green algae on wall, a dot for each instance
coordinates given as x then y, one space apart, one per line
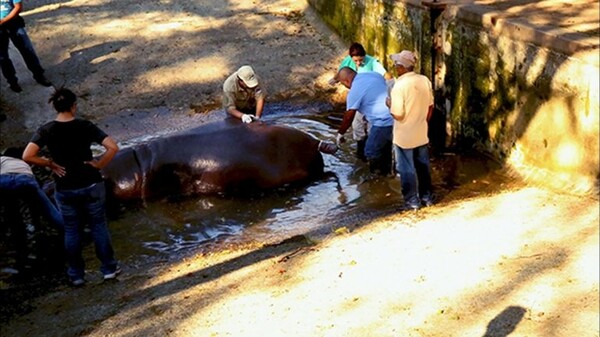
521 103
345 17
382 27
531 107
481 89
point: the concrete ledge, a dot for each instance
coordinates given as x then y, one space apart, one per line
565 40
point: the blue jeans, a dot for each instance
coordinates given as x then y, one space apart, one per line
21 40
415 177
25 186
378 149
86 204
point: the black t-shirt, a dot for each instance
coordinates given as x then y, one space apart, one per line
69 145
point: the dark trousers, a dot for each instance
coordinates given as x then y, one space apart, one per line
85 203
415 174
17 34
13 222
378 149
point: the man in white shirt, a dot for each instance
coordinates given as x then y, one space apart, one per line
17 183
16 178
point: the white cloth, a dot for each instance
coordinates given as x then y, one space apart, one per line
246 118
14 165
360 127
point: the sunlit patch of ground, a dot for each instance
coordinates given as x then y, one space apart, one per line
524 260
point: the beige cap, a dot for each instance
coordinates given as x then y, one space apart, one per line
404 58
246 74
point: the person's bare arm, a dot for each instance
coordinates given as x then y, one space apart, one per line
397 117
234 112
260 105
333 80
347 121
396 105
13 14
111 150
229 103
30 156
429 112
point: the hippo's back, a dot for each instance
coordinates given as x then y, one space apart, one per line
220 157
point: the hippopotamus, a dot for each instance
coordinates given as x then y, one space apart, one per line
224 157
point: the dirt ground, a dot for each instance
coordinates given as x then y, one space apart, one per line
123 56
495 257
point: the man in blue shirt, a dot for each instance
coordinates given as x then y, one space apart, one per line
358 60
368 94
12 26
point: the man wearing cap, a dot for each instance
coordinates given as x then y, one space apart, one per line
368 93
243 96
411 104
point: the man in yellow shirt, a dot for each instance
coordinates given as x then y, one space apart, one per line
411 104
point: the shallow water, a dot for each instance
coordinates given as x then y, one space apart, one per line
168 229
164 229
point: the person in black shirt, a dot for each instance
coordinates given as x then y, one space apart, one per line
80 191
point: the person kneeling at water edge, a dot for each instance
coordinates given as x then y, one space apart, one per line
19 185
243 96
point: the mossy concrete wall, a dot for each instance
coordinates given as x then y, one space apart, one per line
529 99
382 27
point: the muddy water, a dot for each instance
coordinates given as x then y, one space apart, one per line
164 229
347 196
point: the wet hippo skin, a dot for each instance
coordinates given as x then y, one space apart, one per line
221 157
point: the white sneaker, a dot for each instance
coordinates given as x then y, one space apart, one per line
78 282
113 275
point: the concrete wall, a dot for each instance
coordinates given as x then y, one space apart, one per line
527 96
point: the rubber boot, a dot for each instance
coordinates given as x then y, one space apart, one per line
360 149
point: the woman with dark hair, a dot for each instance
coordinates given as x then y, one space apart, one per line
80 191
358 60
